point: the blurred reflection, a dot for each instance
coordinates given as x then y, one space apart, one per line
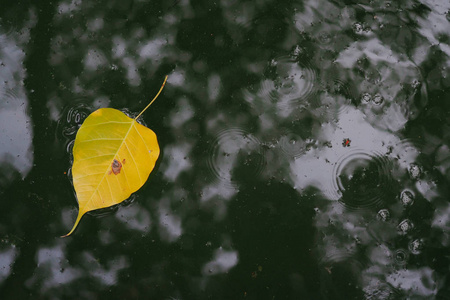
52 270
16 150
169 222
176 160
7 256
333 168
418 282
135 217
222 262
274 110
106 275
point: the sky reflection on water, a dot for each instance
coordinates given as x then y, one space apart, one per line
305 149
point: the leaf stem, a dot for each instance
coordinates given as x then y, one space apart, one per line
160 90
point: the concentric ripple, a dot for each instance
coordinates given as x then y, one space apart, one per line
362 180
10 98
401 257
72 119
296 82
235 154
292 145
69 123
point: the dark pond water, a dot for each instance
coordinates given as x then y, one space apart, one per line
304 149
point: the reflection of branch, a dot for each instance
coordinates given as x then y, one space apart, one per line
26 214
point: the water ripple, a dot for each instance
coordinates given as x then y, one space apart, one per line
292 145
362 180
72 120
232 148
291 85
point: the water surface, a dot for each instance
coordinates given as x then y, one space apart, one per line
304 149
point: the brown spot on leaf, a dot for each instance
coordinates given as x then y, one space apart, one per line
116 166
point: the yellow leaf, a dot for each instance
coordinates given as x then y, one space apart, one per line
113 156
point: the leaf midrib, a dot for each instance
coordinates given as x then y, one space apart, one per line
107 168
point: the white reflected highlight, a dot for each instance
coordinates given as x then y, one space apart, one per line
222 262
7 257
16 132
135 217
176 160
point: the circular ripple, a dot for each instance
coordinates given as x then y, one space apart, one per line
401 257
345 88
292 145
363 180
340 92
337 249
72 119
235 150
295 83
10 98
338 82
68 125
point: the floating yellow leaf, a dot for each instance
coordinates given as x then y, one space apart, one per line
113 156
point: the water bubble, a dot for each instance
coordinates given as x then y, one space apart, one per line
415 171
405 226
366 98
383 215
377 99
416 246
407 198
272 63
401 257
415 84
357 27
296 52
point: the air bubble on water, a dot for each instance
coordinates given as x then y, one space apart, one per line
365 98
407 198
401 257
405 226
297 51
415 171
357 27
114 67
383 215
415 246
415 84
377 99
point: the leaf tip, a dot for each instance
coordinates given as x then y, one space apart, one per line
80 214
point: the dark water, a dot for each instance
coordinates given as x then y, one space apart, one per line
305 149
